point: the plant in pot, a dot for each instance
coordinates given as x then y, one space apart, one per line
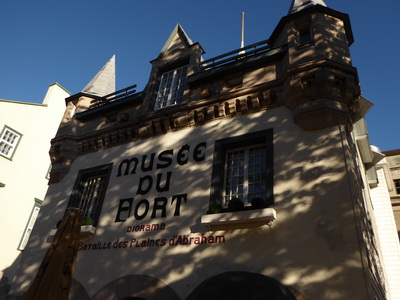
258 202
235 204
87 221
215 208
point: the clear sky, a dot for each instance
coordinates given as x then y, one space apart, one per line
68 42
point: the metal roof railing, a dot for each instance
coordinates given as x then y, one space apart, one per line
235 55
118 95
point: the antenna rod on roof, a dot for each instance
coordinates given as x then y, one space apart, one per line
242 40
242 37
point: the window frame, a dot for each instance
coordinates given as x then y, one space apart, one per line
14 145
304 33
221 148
83 176
177 87
246 193
396 183
31 223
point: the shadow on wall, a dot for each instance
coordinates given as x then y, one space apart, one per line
225 286
305 202
8 274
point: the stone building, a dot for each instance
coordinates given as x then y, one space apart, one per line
244 176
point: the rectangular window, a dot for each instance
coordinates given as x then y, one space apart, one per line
304 32
9 140
243 168
305 36
49 172
31 223
397 185
245 173
89 192
171 88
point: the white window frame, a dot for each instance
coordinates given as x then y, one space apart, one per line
9 140
239 170
31 223
172 87
49 171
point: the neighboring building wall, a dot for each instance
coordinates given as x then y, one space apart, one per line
386 228
393 159
25 173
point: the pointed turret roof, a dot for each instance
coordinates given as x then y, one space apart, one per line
104 81
182 34
298 5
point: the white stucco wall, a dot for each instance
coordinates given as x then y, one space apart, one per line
387 232
24 175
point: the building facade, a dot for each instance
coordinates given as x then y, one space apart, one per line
26 131
393 164
245 176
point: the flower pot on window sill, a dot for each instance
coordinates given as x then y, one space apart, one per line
87 230
244 218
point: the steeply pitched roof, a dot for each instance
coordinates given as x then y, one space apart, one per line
104 81
182 34
298 5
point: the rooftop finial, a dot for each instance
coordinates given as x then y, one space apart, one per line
298 5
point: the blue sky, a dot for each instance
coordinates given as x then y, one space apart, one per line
47 41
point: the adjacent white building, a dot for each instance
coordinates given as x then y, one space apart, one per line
386 225
25 133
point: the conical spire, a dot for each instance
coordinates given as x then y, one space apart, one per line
298 5
104 81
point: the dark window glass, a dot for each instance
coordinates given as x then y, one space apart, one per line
243 168
89 191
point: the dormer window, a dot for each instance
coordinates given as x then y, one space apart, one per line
171 87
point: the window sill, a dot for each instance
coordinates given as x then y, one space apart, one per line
86 231
246 218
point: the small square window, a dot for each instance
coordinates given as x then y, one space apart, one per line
89 192
171 88
304 34
397 185
9 140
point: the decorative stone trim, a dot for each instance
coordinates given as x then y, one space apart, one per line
174 121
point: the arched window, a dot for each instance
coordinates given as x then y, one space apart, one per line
242 285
